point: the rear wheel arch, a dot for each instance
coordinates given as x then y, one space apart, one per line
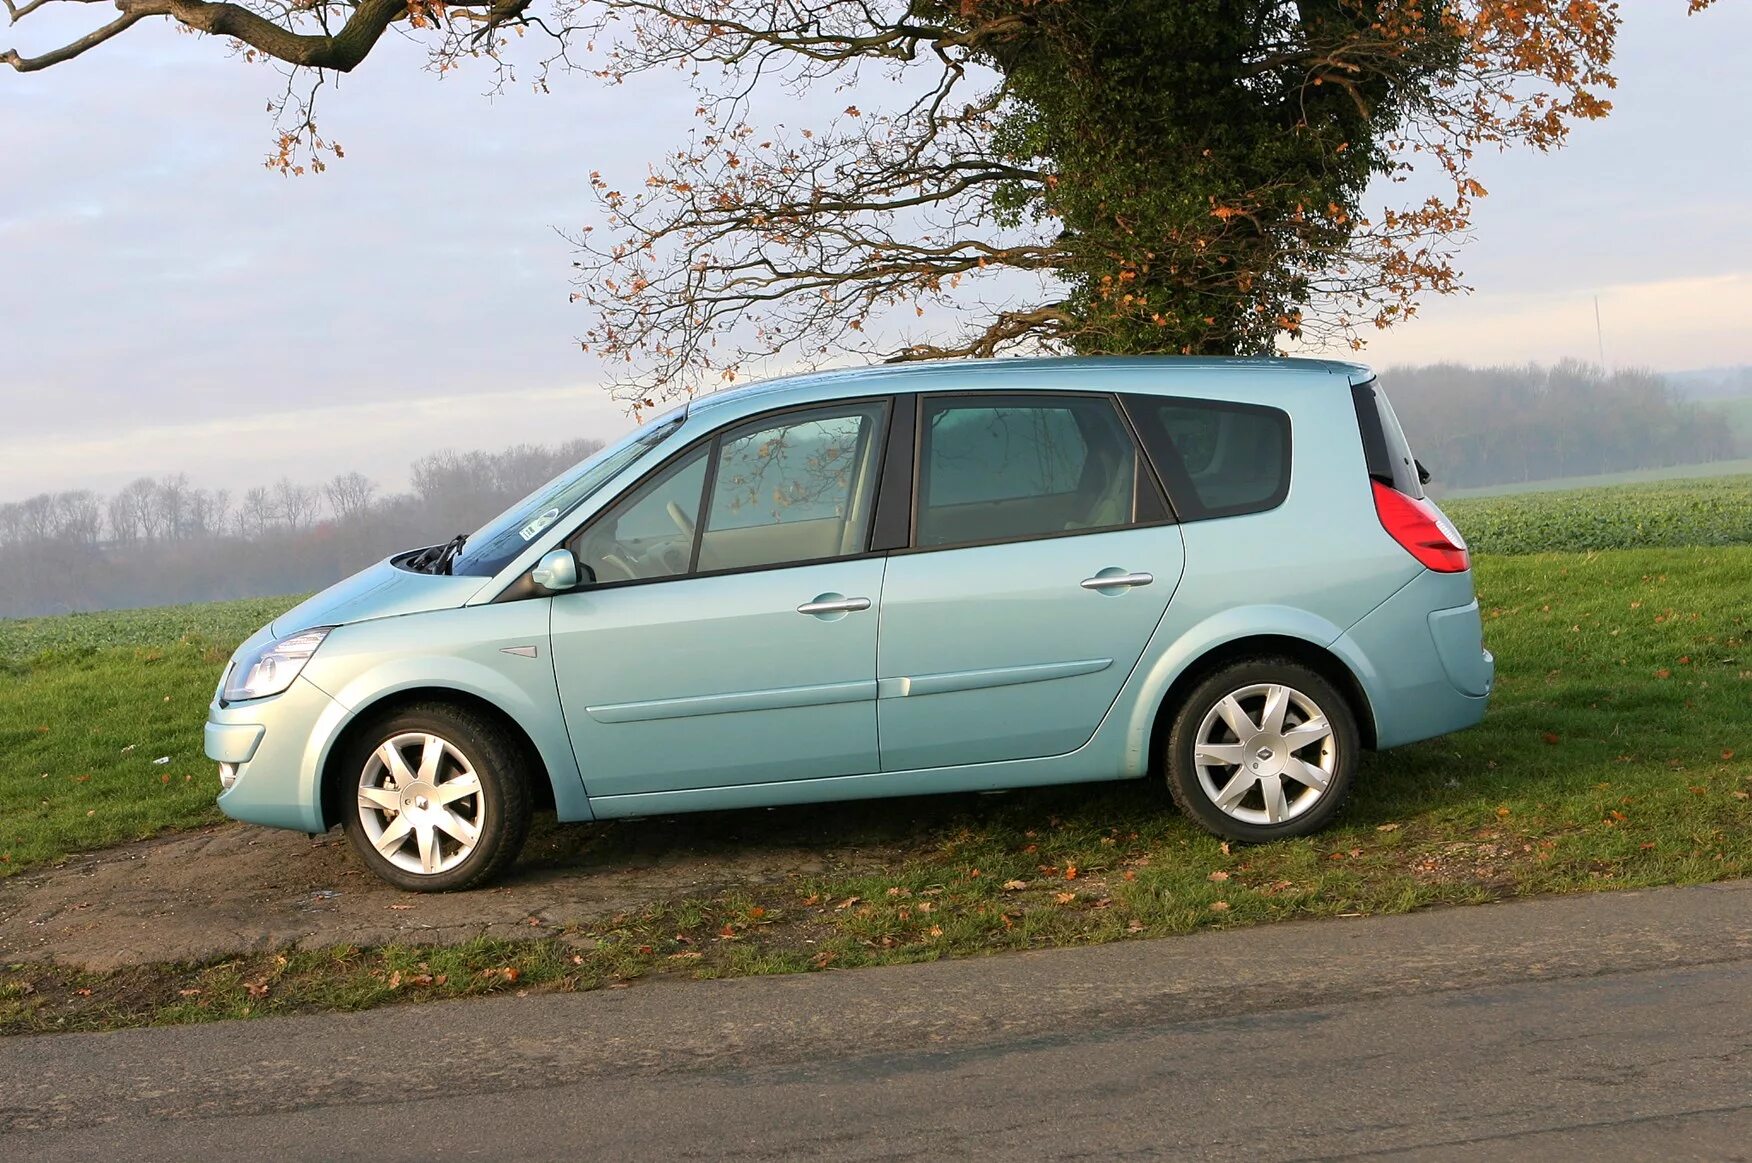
531 766
1316 658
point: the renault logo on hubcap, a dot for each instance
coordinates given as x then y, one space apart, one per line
1265 753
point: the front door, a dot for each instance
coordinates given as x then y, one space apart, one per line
730 637
1042 561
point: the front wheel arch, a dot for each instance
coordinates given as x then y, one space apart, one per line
530 764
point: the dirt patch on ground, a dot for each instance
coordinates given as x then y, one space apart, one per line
234 889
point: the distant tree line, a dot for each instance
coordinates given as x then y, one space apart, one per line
1475 426
163 540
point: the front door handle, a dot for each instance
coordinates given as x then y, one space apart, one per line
1116 581
825 605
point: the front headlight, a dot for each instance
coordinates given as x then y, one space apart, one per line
271 667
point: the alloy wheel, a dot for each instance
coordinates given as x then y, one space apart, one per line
420 803
1265 754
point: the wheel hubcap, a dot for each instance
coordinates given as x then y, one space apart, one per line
1265 754
420 803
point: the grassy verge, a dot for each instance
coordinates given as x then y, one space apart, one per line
1618 753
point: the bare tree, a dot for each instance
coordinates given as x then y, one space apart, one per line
78 517
172 500
350 494
257 514
295 503
141 499
207 510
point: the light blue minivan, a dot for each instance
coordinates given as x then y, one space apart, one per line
880 582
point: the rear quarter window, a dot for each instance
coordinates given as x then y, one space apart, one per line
1217 459
1385 450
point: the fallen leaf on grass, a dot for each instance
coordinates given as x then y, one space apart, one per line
1064 898
1219 906
1015 885
847 903
1134 926
1387 827
1219 875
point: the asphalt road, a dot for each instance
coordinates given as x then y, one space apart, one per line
1607 1027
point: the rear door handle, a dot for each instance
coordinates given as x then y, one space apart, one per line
838 606
1116 581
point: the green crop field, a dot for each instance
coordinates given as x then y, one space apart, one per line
1678 473
1668 513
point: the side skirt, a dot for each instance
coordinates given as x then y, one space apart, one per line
1082 766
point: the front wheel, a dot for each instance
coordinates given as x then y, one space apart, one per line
1263 749
434 800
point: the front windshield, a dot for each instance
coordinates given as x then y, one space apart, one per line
490 548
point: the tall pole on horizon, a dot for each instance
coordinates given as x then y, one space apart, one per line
1599 334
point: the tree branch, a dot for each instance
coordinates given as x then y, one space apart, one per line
68 51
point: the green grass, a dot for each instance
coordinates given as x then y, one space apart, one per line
88 703
1713 511
1635 476
207 623
1618 753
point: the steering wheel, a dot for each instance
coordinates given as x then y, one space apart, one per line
682 521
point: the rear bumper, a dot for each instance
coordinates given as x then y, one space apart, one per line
276 747
1421 659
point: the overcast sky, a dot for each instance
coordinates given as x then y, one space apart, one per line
167 304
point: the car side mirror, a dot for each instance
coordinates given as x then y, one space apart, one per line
556 572
1423 474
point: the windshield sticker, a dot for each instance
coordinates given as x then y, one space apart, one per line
540 523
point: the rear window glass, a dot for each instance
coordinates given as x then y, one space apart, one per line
1385 450
1217 459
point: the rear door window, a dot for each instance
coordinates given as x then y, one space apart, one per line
1006 468
1217 459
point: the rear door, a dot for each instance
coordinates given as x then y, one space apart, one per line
1041 557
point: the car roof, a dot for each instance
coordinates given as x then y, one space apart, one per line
1015 373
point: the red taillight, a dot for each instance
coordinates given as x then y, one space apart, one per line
1420 527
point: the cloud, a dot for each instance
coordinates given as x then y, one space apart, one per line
379 438
1668 325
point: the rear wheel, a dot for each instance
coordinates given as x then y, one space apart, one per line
1263 749
434 800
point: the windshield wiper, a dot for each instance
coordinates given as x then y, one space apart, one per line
437 559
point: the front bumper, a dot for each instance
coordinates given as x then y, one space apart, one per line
275 749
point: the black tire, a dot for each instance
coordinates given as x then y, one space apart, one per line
500 808
1193 797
